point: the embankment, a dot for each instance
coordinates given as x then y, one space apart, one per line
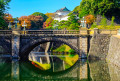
114 50
99 46
106 47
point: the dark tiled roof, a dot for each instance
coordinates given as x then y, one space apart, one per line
62 9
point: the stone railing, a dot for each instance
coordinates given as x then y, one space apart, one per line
70 32
50 32
5 32
105 31
60 32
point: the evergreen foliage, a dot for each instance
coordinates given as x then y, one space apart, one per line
106 7
112 21
103 22
94 25
3 7
40 14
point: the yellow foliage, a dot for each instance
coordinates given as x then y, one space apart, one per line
71 60
49 20
64 48
50 14
108 27
67 48
44 66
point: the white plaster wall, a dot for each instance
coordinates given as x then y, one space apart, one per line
60 19
65 18
63 13
57 19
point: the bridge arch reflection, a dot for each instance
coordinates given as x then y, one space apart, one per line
71 73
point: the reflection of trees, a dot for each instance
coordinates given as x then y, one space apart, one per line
79 71
69 60
28 70
57 62
5 71
39 61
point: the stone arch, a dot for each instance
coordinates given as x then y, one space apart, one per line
5 45
24 52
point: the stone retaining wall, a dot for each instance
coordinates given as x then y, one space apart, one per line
99 46
114 50
106 47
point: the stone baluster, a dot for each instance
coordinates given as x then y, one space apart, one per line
64 31
96 31
118 32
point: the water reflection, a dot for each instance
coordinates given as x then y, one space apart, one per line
114 72
15 69
52 61
81 70
5 69
99 71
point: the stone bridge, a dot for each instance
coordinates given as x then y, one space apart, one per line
30 39
22 42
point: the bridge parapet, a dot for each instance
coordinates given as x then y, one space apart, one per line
5 32
105 31
60 32
51 32
70 32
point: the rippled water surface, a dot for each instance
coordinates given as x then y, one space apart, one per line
54 67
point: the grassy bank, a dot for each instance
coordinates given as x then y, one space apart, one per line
106 27
64 48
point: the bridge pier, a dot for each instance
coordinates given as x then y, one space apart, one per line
78 45
15 44
83 43
15 69
83 70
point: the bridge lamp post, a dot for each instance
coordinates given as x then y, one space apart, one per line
16 22
83 22
9 26
24 25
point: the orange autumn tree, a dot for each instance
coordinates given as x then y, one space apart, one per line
89 20
35 18
31 21
8 18
27 21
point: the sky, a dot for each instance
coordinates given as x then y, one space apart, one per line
20 8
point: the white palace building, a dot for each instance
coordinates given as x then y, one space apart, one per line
62 14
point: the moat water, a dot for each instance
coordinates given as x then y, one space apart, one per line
56 67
